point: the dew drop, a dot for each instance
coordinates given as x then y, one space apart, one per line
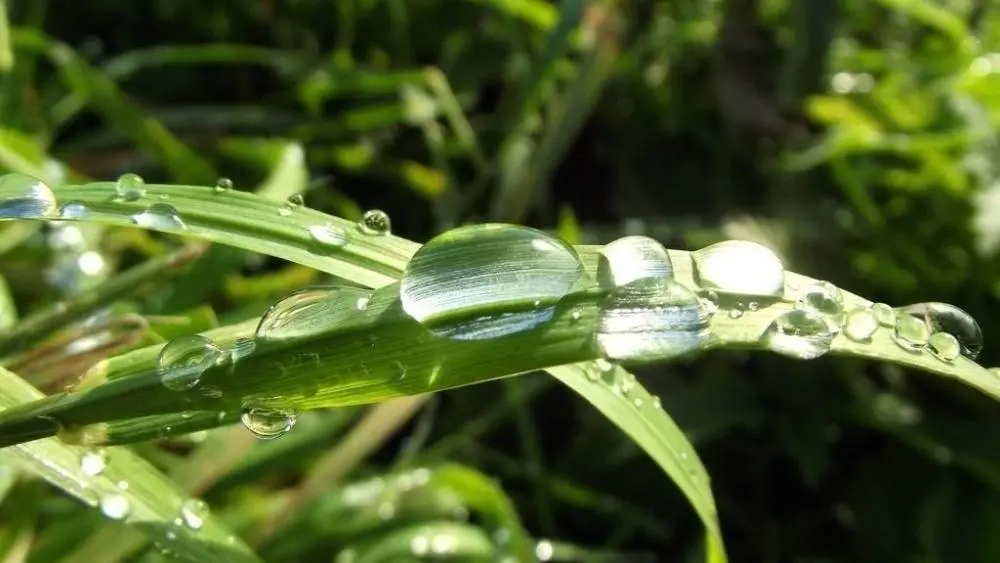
739 267
736 311
93 462
860 324
328 235
650 319
945 317
657 403
267 423
194 512
885 314
463 273
115 506
74 210
632 258
944 346
801 334
184 359
910 333
294 202
25 197
161 217
824 299
310 310
375 222
130 187
223 185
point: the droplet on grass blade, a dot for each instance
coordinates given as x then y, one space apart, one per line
194 512
183 360
310 310
800 334
375 222
945 317
93 462
328 235
632 258
910 333
72 210
25 197
267 423
739 267
161 217
115 506
860 324
130 187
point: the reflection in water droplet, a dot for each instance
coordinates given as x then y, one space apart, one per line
74 210
328 235
650 319
860 324
25 197
945 317
910 333
223 185
115 506
632 258
825 299
800 334
310 310
184 359
93 462
161 217
739 267
375 222
294 202
267 423
130 187
467 271
944 346
885 314
194 512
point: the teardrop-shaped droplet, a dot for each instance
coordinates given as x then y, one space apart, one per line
860 324
801 334
267 423
161 217
650 319
823 298
328 235
309 311
183 360
910 333
739 267
115 506
294 202
93 462
945 317
456 282
25 197
375 222
632 258
194 512
74 210
944 346
223 185
130 187
885 314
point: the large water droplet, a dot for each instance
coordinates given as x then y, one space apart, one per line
130 187
267 423
160 216
310 310
223 185
375 222
456 282
184 359
825 299
194 512
910 333
632 258
860 324
801 334
944 346
650 319
945 317
74 210
25 197
739 267
328 235
93 462
115 506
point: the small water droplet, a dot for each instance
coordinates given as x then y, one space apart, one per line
74 210
310 310
267 423
739 267
753 306
736 311
860 324
637 402
294 202
115 506
194 512
657 403
885 314
945 317
632 258
161 217
375 222
708 300
183 360
801 334
223 185
944 346
130 187
25 197
328 235
626 384
575 316
824 299
93 462
910 333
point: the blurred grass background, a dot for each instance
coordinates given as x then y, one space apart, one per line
855 137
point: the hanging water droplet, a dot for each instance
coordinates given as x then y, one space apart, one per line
375 222
161 217
632 258
860 324
328 235
944 346
223 185
194 512
115 506
739 267
945 317
650 319
184 359
294 202
130 187
468 270
310 310
910 333
74 210
267 423
825 299
801 334
93 462
885 314
24 197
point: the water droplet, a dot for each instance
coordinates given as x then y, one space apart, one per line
650 319
708 300
739 267
130 187
458 275
910 333
328 235
637 402
632 258
944 346
310 310
575 316
860 324
74 210
184 359
267 423
194 512
24 197
657 403
736 311
93 462
223 185
294 202
115 506
160 216
801 334
626 384
885 314
825 299
945 317
375 222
